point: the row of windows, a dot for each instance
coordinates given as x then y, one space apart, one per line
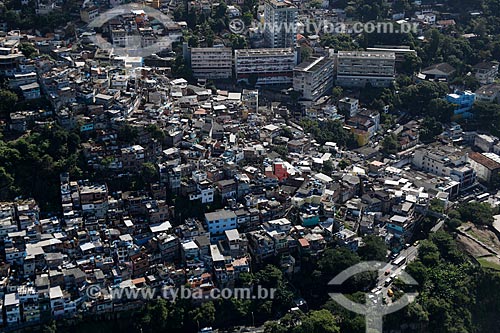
225 226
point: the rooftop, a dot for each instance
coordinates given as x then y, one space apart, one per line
220 215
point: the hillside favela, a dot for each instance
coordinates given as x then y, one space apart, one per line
260 166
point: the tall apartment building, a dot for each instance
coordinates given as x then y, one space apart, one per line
313 78
266 66
94 199
212 62
359 68
280 23
250 98
445 161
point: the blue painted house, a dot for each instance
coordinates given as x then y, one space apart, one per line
463 100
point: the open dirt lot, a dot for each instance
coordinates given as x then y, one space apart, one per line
481 236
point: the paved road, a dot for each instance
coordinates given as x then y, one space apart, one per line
410 254
438 226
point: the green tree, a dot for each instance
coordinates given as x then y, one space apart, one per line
128 134
436 205
237 41
204 315
282 150
245 279
416 98
272 277
337 92
327 167
390 144
334 261
180 12
401 6
477 213
441 109
182 70
374 248
329 131
149 173
448 289
269 277
156 132
305 53
194 41
418 271
428 253
35 161
433 46
343 164
247 18
340 42
429 129
28 50
274 327
320 321
487 117
468 82
6 181
51 327
221 10
411 64
8 100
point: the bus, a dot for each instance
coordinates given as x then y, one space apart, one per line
399 261
482 197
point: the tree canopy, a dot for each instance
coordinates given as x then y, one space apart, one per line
329 131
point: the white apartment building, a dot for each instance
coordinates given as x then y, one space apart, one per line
7 225
212 62
12 308
7 219
280 23
313 78
445 161
489 93
486 72
349 106
204 189
89 14
61 303
204 192
31 91
359 68
119 37
266 66
220 221
22 79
